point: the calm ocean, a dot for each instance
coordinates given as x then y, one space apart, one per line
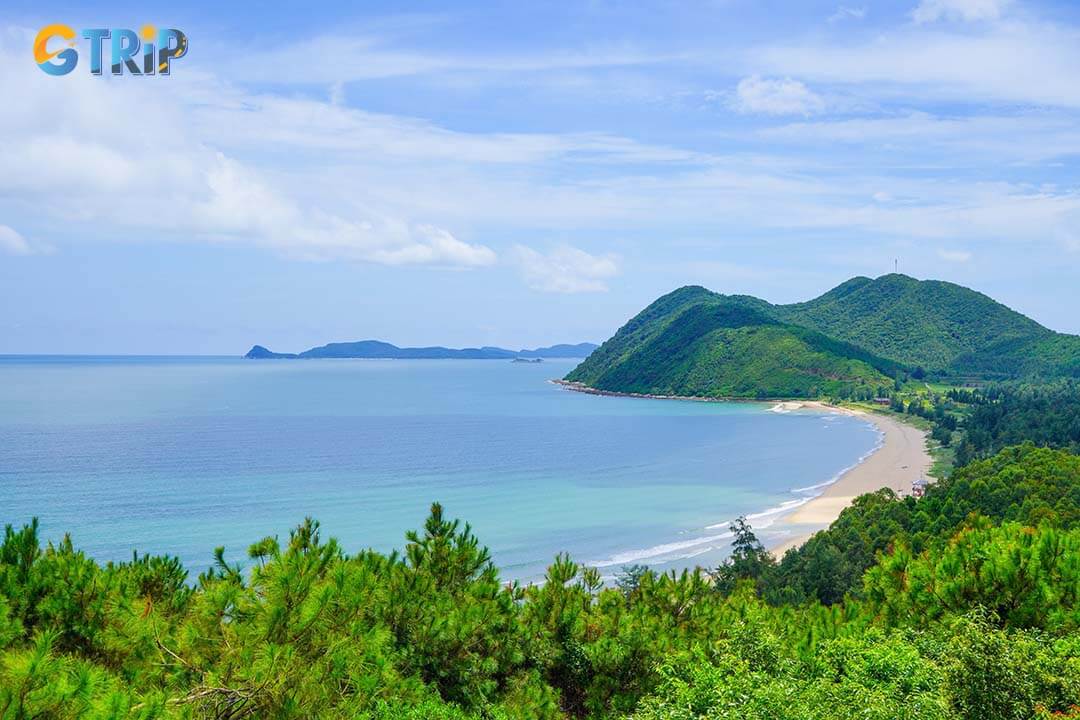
179 455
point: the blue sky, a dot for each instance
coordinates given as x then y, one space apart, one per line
521 174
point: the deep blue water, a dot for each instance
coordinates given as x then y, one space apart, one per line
179 455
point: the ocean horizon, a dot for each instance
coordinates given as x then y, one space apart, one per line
177 454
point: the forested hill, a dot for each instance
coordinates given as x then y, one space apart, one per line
939 326
860 335
692 342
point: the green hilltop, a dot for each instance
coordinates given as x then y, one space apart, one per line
942 327
853 340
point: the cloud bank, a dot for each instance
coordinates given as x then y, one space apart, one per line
565 269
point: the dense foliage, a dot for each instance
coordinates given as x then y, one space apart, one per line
853 340
967 609
699 345
931 324
968 668
1023 484
1047 415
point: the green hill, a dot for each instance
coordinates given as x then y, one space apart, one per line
856 337
942 327
694 342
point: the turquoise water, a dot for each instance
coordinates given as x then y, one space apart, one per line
179 455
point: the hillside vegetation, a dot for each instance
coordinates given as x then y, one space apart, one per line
967 612
960 605
852 341
725 348
1022 484
928 323
693 342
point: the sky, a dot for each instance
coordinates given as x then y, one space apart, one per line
522 174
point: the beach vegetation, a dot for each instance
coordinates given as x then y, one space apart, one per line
1023 484
960 605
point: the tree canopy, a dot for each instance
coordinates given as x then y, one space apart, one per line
960 605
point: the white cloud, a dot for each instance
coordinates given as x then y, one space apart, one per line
433 245
369 57
247 120
1025 137
309 179
941 210
776 96
956 256
337 93
966 10
565 269
1014 61
847 13
241 206
12 243
75 165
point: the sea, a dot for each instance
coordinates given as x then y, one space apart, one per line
179 455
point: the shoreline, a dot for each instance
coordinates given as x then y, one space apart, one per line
582 388
899 460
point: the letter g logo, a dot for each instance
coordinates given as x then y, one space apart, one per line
42 56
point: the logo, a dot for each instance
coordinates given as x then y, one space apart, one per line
147 52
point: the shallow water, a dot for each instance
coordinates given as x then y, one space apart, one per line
179 455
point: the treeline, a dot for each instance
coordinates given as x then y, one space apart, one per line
978 422
969 611
1023 484
1047 415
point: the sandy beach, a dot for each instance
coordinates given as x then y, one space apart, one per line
901 459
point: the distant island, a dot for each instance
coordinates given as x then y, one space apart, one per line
375 349
854 342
